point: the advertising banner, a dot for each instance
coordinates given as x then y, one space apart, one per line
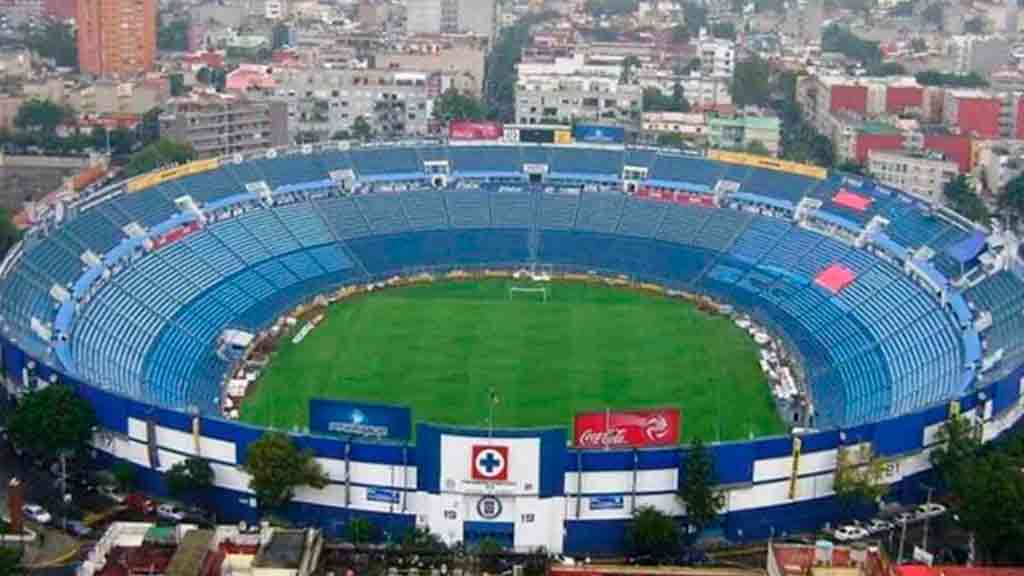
627 428
597 134
607 502
385 495
464 130
537 135
359 420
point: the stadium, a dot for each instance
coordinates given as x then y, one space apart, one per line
153 296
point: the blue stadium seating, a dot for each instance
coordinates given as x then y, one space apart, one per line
879 347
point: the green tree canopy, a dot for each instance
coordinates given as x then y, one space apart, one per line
696 17
1012 198
725 30
160 153
173 36
40 116
697 488
838 39
963 200
454 105
276 467
938 78
653 535
859 478
189 478
9 233
361 129
68 419
610 7
10 562
975 25
280 36
959 441
655 101
361 530
124 475
751 82
54 40
670 139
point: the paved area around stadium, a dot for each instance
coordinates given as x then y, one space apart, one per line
439 348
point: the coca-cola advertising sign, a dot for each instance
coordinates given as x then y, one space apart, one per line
627 428
463 130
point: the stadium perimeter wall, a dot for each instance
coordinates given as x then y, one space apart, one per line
551 496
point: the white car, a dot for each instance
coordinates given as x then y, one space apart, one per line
36 513
876 526
170 512
850 533
929 510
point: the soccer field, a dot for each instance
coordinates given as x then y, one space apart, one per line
439 348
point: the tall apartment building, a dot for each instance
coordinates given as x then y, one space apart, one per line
116 37
923 174
451 16
219 124
543 99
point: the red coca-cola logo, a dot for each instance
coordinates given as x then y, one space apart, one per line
603 438
627 428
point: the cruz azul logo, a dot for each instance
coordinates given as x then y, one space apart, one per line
490 463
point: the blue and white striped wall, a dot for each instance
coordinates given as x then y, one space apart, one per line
561 499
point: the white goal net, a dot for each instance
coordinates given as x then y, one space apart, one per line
532 292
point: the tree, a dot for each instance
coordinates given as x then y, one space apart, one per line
10 562
959 442
975 25
751 82
1012 198
887 69
697 490
652 535
191 477
9 233
341 135
418 538
938 78
851 167
962 199
40 116
277 467
696 17
757 148
280 36
177 83
838 39
454 105
918 45
173 36
213 77
670 140
124 475
361 530
655 101
859 478
149 129
500 74
160 153
680 34
629 64
724 30
610 7
932 14
361 129
55 41
68 419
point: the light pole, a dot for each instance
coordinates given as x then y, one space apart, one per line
927 517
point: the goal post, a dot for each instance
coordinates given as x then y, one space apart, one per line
530 291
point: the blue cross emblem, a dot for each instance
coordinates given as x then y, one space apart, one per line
489 463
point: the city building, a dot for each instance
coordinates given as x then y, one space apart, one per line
922 174
116 38
698 90
221 124
973 112
451 16
717 57
998 163
562 99
109 97
691 126
461 58
743 130
978 54
323 102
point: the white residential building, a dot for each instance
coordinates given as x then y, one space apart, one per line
925 175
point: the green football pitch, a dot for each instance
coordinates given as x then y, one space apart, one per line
440 348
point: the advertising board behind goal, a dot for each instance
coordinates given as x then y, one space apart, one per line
627 428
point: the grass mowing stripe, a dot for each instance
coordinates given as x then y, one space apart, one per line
440 347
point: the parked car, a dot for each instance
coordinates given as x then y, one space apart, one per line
877 525
139 503
929 510
850 533
36 513
79 529
170 512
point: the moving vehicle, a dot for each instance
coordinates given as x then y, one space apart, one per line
36 513
850 533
